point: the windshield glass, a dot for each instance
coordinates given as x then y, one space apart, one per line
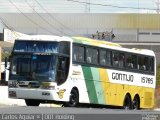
35 46
33 67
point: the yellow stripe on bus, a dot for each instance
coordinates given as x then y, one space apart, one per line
96 42
105 83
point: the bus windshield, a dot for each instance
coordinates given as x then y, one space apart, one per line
33 67
35 46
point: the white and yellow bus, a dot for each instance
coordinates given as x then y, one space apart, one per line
73 70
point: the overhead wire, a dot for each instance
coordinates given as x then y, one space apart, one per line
8 27
55 18
99 4
29 18
42 17
4 23
110 5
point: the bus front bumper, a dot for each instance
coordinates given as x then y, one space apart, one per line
39 94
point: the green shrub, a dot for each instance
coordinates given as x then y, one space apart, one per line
158 75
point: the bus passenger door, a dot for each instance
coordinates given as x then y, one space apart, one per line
62 69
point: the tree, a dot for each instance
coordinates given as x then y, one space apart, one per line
158 75
4 55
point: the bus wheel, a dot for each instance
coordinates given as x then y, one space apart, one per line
136 103
32 102
74 99
127 103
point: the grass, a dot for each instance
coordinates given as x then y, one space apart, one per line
157 97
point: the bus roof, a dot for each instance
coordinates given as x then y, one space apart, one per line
44 38
93 41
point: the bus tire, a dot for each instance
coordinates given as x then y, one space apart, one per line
73 100
32 102
136 103
127 104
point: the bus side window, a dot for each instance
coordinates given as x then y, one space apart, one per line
131 61
78 53
139 63
143 63
121 60
115 58
102 57
89 60
151 65
92 55
146 63
105 57
138 66
64 48
74 57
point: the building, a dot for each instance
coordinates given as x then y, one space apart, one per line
130 30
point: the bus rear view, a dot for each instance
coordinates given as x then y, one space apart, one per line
37 68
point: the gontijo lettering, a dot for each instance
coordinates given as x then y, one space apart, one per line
122 77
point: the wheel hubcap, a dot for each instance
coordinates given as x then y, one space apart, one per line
127 104
135 104
73 99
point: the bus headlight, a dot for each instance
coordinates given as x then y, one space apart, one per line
12 84
47 85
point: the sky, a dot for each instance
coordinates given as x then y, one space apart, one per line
78 6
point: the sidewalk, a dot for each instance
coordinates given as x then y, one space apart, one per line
157 109
4 100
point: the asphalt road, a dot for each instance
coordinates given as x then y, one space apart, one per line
57 113
69 110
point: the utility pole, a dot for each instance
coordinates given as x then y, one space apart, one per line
87 6
158 6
